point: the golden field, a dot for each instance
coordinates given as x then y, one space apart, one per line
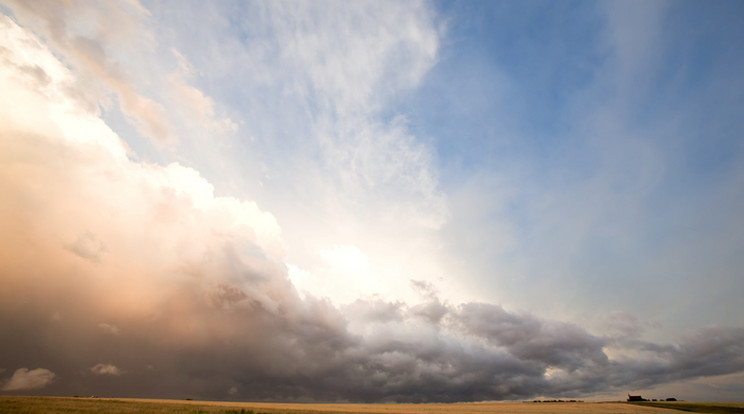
14 404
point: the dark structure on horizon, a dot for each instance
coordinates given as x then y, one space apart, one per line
636 398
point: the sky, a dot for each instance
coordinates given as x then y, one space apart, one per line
372 201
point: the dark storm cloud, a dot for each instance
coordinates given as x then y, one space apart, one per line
550 342
229 342
709 351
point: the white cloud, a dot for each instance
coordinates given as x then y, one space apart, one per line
634 37
344 274
25 379
105 369
352 55
196 107
114 49
363 180
84 34
70 159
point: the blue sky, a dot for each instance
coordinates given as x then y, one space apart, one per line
401 176
623 120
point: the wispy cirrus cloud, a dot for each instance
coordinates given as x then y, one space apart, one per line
100 42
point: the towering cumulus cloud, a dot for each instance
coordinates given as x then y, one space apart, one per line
122 277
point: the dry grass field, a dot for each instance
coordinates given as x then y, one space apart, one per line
699 407
32 405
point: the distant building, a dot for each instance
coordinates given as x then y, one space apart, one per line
635 398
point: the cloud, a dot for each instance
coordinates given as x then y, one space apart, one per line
87 247
607 203
25 379
115 23
196 107
370 179
105 369
109 329
368 41
195 291
113 47
712 350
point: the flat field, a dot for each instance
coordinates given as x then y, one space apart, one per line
32 405
698 407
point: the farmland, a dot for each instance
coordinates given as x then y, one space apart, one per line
698 407
14 404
